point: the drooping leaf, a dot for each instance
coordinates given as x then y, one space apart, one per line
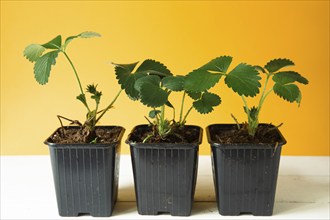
152 79
86 34
33 52
152 67
277 64
127 79
219 64
194 95
82 98
206 103
55 43
43 66
244 80
89 34
153 113
286 77
200 80
289 92
152 95
174 83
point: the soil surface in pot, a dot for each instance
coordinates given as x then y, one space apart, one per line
77 135
186 134
266 133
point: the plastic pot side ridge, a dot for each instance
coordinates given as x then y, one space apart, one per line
245 175
86 176
164 176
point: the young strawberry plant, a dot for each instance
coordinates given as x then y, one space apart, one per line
152 83
44 57
245 79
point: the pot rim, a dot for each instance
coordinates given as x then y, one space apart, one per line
86 145
164 145
242 145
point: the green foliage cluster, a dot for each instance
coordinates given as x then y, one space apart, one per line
152 82
44 57
244 79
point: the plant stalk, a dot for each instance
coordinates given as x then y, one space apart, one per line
185 117
77 77
109 106
182 104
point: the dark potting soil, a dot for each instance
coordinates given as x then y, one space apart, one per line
266 134
77 135
186 134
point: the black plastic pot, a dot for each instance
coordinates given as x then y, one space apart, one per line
164 176
86 176
245 175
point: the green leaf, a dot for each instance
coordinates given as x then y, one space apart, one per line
152 95
82 98
89 34
129 85
200 80
219 64
169 104
91 89
289 77
194 95
244 80
33 52
95 94
298 100
127 79
254 113
154 113
289 92
43 66
127 67
56 43
277 64
260 69
206 103
86 34
174 83
152 67
155 80
211 99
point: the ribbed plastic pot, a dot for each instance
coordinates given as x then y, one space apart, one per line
86 176
245 175
164 176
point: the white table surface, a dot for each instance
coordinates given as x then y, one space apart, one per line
27 190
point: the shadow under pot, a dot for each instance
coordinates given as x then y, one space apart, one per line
86 175
244 174
164 173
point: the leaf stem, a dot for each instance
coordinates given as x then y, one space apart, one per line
182 104
77 77
185 117
264 94
246 106
109 106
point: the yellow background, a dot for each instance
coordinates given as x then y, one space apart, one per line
183 35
